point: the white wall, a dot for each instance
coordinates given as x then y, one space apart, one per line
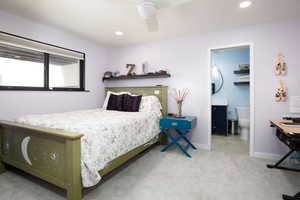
16 103
187 59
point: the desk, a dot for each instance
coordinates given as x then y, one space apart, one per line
290 136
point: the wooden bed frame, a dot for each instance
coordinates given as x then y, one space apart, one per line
54 155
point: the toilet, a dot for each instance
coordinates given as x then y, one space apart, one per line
243 114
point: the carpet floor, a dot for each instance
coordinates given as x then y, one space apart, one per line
226 173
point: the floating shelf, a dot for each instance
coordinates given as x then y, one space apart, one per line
138 76
242 83
246 71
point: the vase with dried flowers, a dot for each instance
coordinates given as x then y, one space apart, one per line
179 96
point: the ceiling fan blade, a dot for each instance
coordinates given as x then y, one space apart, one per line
152 24
147 10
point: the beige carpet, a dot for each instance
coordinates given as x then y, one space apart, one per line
227 173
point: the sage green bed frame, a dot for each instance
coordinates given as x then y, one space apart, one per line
54 155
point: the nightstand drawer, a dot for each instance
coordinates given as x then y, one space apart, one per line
180 123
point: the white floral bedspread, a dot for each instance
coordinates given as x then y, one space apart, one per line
107 134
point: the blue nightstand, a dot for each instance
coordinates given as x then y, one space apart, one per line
182 126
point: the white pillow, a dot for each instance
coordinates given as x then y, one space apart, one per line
108 95
150 104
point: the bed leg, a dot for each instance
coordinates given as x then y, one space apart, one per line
73 170
74 193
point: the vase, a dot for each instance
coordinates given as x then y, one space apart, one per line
179 105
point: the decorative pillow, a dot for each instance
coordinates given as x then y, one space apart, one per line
115 102
108 95
131 103
150 104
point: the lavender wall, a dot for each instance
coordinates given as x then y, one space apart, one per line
187 59
16 103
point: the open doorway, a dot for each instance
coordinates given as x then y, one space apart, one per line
231 110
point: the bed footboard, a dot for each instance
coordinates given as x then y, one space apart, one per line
52 155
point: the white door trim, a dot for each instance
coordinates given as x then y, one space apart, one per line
252 93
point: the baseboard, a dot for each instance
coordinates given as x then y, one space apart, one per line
268 156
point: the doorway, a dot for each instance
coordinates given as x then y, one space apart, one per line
231 108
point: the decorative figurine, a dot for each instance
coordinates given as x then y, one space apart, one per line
107 74
281 67
281 92
163 71
116 73
131 68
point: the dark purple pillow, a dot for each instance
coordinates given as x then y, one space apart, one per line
115 102
131 103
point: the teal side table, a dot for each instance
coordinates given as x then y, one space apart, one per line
182 127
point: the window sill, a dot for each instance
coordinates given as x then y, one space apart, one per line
40 89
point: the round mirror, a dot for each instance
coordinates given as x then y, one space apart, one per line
217 80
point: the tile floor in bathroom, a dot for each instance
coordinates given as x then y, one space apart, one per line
230 144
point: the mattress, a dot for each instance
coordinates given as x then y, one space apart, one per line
107 134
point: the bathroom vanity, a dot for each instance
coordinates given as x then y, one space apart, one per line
219 117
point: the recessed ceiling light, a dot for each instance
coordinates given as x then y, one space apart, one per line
119 33
245 4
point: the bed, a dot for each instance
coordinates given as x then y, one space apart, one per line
56 154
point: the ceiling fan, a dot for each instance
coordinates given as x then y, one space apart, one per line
147 9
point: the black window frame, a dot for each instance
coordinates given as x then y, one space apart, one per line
46 71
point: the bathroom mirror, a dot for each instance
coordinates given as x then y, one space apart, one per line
217 80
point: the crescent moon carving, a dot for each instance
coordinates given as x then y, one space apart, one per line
24 148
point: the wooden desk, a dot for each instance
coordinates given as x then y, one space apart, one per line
290 136
286 129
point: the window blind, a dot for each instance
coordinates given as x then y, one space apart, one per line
12 40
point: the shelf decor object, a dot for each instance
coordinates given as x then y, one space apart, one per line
131 68
281 66
244 70
244 66
137 76
281 92
145 67
179 96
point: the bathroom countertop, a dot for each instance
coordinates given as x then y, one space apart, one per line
219 102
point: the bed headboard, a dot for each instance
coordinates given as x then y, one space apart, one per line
160 91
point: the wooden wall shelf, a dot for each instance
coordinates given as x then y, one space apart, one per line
138 76
247 71
242 83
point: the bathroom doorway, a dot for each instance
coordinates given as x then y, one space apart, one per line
232 99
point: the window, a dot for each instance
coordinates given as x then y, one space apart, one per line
20 67
32 65
64 72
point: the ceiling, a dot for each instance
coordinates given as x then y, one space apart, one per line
98 20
